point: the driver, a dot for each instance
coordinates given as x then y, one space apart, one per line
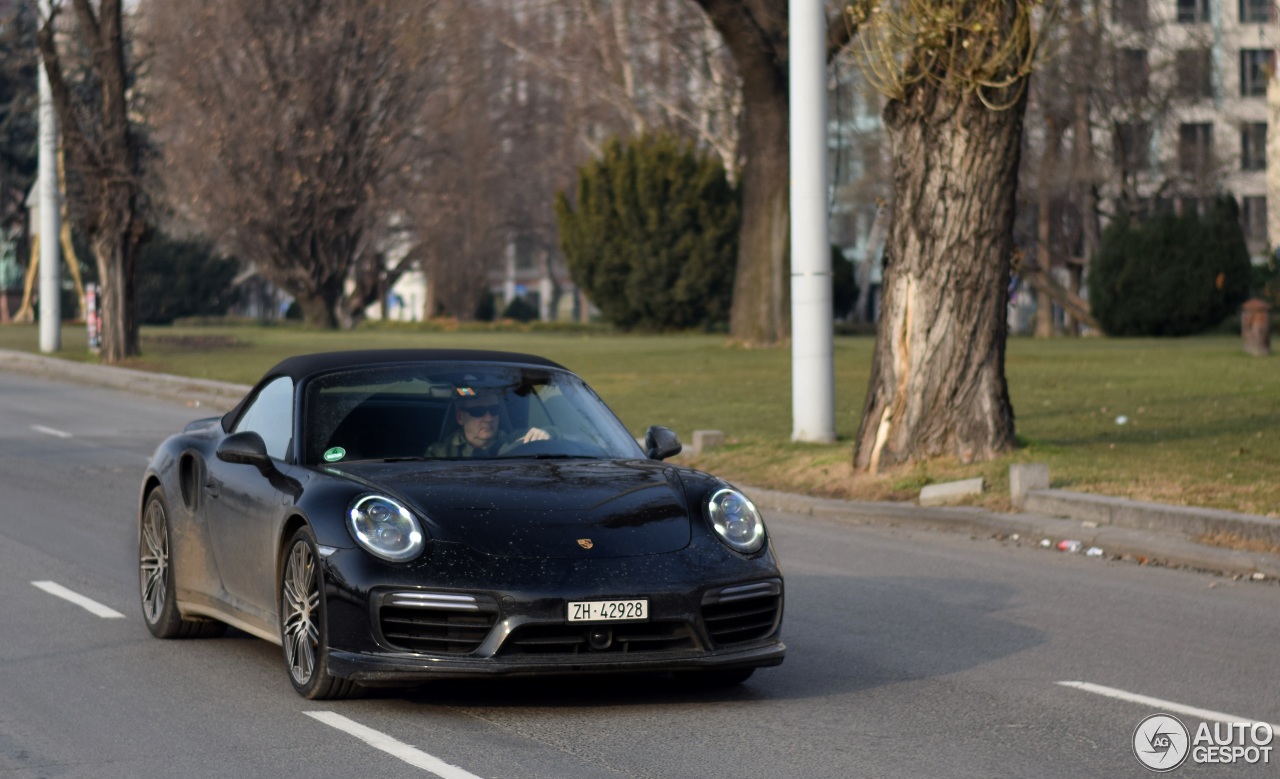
478 414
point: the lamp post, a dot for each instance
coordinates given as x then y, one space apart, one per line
812 372
50 259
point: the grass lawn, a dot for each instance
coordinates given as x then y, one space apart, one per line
1202 417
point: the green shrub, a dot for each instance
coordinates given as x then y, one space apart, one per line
652 235
1170 275
486 307
182 279
520 310
1266 281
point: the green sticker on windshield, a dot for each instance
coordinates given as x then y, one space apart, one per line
335 454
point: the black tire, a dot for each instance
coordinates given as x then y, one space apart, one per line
303 628
156 578
714 680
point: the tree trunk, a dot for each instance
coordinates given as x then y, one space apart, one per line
1043 256
937 382
319 309
755 32
115 258
1044 232
761 310
1088 199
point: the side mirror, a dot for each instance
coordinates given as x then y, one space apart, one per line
661 443
246 448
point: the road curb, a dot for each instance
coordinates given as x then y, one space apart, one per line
203 393
1159 517
1164 546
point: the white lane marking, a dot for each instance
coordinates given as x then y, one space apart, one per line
411 755
1156 703
51 431
92 606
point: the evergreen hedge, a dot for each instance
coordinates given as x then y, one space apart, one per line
179 278
652 235
1170 275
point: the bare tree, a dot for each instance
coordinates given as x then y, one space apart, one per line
1096 108
631 66
103 151
756 33
18 58
287 128
501 143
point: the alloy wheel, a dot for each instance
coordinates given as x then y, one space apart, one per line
301 602
153 563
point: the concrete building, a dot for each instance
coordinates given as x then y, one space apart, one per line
1201 69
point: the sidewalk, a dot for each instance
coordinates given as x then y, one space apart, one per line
1147 533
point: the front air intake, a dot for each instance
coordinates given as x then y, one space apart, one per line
620 638
743 612
436 622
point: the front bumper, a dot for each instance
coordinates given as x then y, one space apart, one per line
462 616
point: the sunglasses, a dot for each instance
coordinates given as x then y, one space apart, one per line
480 411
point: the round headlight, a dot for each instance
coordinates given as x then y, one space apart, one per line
385 528
736 520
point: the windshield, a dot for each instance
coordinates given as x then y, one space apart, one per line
458 411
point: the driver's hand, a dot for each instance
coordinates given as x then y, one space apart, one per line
535 434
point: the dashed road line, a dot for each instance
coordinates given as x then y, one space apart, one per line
1156 703
51 431
378 740
88 604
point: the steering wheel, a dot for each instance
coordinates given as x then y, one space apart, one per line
527 448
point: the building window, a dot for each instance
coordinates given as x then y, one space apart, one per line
1255 11
1193 11
1195 149
1253 146
1130 12
1253 218
1254 64
1131 73
1192 67
1132 146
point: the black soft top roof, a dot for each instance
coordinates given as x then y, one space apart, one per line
304 365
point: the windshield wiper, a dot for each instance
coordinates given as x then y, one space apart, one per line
546 456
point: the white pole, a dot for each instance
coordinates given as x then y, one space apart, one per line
50 254
812 371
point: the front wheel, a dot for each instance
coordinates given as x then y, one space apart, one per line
156 578
303 630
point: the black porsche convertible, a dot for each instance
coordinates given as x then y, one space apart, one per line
395 516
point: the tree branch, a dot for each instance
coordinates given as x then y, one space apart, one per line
840 33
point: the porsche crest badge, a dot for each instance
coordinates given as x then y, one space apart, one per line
585 543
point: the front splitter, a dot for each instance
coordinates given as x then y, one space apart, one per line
363 667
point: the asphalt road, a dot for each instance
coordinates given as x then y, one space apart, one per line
911 654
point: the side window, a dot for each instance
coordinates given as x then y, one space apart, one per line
270 415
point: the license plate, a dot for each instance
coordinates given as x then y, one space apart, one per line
609 610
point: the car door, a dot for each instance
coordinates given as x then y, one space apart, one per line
246 508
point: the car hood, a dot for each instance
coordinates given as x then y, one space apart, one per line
542 508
